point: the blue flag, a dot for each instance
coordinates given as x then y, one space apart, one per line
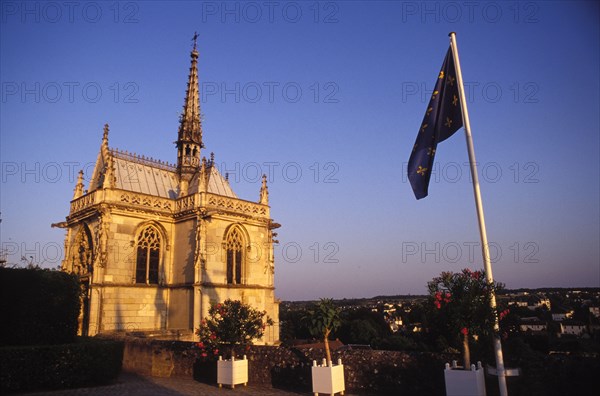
442 118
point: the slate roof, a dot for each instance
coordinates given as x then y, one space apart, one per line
152 177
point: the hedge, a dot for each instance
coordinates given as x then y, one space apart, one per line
87 362
38 306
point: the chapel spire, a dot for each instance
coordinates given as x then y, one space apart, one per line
189 138
79 186
104 146
264 191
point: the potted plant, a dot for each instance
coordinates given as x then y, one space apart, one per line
322 319
461 303
235 325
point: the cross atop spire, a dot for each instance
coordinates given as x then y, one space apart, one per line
194 40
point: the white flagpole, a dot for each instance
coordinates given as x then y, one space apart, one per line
482 230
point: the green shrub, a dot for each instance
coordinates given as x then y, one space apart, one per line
38 306
84 363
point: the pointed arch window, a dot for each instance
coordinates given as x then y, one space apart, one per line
235 256
148 256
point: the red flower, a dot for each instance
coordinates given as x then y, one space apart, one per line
200 345
464 331
204 354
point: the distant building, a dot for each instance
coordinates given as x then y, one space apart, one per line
532 324
395 324
562 314
572 327
389 309
559 317
521 304
538 302
156 244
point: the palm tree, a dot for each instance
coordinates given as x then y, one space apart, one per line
323 319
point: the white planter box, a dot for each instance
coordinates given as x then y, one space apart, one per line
465 382
232 372
326 379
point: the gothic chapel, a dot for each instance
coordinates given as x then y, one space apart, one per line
156 244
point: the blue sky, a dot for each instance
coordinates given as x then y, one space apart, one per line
326 98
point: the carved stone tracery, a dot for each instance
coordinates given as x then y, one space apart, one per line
82 252
102 237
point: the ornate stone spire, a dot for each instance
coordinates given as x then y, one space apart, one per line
79 186
105 135
104 145
109 173
264 191
203 177
189 139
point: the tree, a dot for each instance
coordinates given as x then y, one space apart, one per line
323 318
462 306
362 326
291 324
362 331
38 306
231 323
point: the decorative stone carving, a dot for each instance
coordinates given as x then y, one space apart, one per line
237 205
79 186
102 238
264 192
109 173
82 252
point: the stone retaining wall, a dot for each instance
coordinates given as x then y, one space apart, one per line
366 371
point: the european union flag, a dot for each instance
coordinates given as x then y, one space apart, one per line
442 118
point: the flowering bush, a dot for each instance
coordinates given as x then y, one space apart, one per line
208 345
462 305
231 323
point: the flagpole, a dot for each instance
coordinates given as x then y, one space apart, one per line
482 230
